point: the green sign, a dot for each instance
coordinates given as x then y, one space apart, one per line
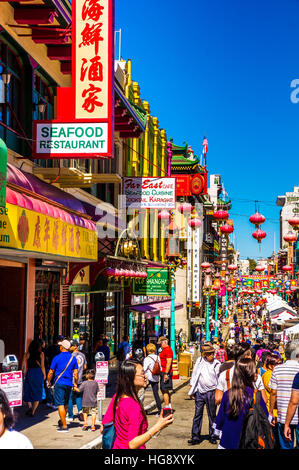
3 173
156 283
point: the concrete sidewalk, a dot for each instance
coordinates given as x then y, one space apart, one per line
42 428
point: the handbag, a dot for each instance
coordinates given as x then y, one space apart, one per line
52 386
108 435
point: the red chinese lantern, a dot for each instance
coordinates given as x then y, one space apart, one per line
221 215
259 235
229 289
260 268
227 229
257 219
288 291
185 208
216 287
194 223
164 215
290 237
205 265
294 222
287 268
232 267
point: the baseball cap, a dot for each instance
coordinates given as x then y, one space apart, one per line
162 338
74 342
65 344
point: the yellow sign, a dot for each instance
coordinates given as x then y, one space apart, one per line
27 230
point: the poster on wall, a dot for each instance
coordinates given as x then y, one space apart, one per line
150 193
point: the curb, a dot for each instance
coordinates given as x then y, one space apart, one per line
96 443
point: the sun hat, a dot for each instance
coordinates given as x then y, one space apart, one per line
207 348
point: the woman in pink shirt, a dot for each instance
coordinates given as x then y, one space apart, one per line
127 412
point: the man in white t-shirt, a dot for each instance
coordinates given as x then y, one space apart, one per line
203 385
10 439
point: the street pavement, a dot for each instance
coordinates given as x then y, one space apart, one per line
42 428
177 434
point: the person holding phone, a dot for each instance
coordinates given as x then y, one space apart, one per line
127 412
166 358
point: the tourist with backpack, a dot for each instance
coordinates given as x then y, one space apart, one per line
238 412
152 369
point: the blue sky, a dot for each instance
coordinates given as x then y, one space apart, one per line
224 69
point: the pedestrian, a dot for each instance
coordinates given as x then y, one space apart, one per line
292 409
75 396
271 361
137 345
89 390
226 371
281 389
221 354
235 404
9 438
166 358
64 368
126 411
261 364
203 385
124 349
151 363
33 366
246 331
102 347
51 351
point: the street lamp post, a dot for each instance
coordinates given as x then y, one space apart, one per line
216 314
207 316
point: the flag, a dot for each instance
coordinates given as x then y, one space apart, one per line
224 192
205 146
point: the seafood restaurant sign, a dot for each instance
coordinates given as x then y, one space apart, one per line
84 124
150 193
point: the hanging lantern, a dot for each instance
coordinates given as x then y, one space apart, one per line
194 222
205 265
232 267
288 291
221 215
290 237
164 215
227 229
229 289
287 268
257 219
216 287
207 281
260 268
259 235
185 208
294 222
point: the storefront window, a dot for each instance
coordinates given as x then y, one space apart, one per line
10 93
81 317
46 314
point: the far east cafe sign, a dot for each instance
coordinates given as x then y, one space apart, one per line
84 124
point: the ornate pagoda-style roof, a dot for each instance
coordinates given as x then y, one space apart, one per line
227 205
182 161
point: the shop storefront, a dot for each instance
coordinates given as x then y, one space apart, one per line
38 238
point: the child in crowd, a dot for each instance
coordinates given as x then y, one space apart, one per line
89 399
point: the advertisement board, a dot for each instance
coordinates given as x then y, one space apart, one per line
156 283
12 384
150 193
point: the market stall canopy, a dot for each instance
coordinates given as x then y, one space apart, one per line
292 330
154 309
282 314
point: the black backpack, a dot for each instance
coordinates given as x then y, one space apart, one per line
120 355
256 431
